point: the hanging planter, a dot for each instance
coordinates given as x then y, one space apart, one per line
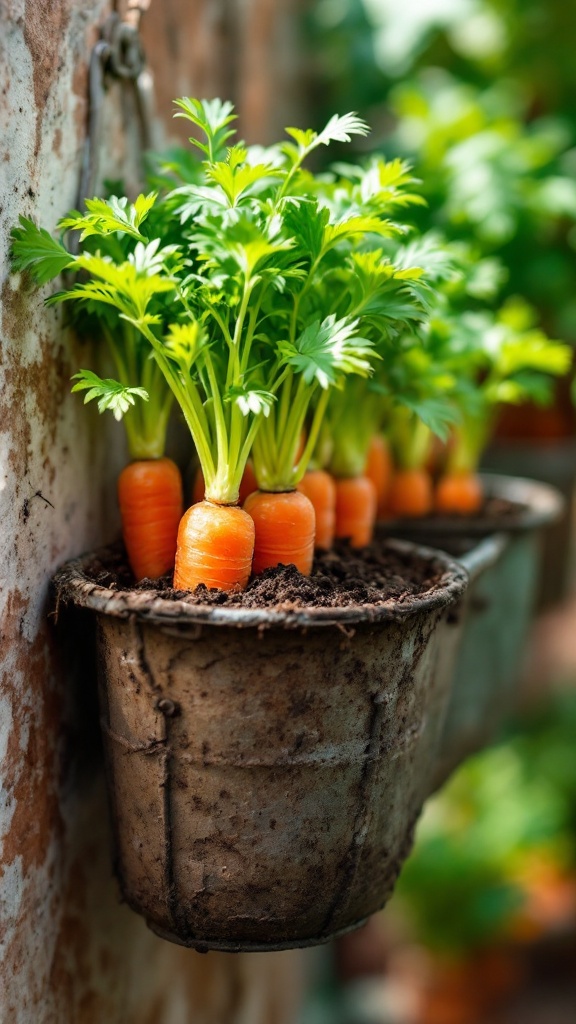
496 610
266 767
554 462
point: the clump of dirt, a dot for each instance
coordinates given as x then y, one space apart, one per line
341 578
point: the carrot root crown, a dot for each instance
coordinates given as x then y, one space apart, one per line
284 523
411 493
459 492
320 489
215 547
355 509
379 469
150 499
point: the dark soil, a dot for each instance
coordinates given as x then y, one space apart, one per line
340 578
492 508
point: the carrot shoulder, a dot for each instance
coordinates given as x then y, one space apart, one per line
411 493
215 547
459 492
284 524
320 489
379 469
355 509
150 499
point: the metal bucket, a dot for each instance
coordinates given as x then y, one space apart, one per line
496 610
497 615
266 768
553 462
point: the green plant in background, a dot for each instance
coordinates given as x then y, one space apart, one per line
493 133
492 176
465 882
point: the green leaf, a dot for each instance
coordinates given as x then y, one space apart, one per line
185 342
341 128
105 216
326 350
238 181
251 400
120 286
212 117
111 394
34 250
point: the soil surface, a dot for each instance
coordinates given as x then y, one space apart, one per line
492 508
340 578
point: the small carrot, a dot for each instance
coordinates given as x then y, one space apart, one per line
150 498
215 547
411 493
379 469
459 492
284 523
355 509
320 488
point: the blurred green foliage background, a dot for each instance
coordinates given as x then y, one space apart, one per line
478 94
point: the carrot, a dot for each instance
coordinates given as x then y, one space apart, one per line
379 469
150 498
215 547
284 522
320 488
355 509
459 492
411 493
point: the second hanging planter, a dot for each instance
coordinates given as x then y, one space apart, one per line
502 557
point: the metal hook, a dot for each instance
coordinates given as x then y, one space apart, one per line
117 53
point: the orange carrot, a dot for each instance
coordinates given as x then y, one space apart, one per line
411 493
459 492
247 485
215 547
355 509
285 523
379 469
320 488
150 498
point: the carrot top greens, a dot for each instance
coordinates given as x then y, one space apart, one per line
117 270
261 307
264 298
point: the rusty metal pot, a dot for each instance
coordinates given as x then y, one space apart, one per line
553 462
266 768
496 610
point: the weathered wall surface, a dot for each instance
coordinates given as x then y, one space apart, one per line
69 952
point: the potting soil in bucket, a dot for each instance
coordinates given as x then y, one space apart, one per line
496 610
267 764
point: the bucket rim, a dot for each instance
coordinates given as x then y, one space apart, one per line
543 503
73 585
